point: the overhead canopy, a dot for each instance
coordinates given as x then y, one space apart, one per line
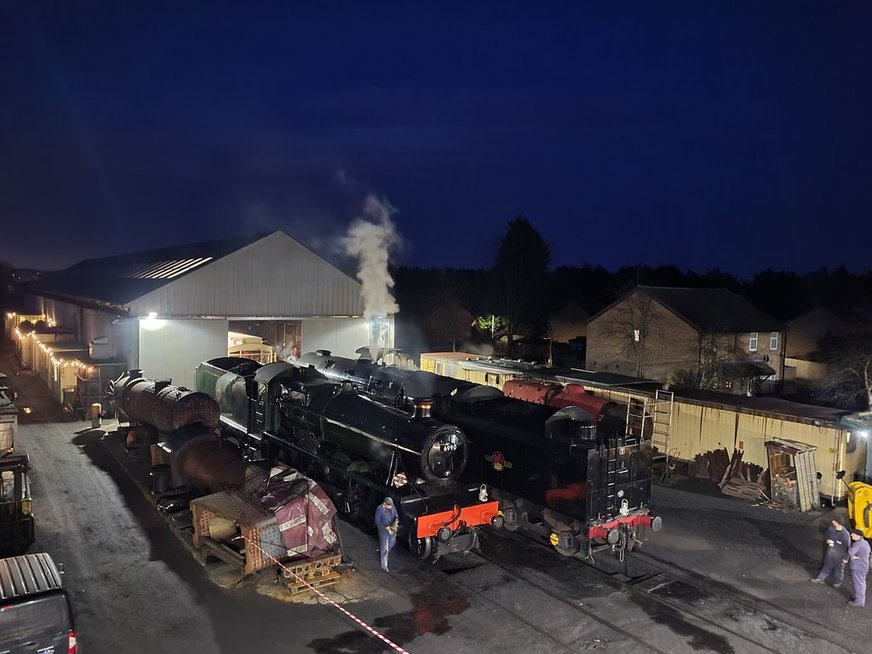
747 369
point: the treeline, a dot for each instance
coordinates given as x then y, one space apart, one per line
781 294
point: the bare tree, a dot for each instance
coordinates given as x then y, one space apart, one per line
634 320
709 374
849 382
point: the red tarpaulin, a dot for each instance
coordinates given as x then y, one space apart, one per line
303 511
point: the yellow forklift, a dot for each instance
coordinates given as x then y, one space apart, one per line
859 504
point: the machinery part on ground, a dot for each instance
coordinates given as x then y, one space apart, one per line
165 407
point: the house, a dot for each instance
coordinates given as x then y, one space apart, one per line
433 324
569 323
807 330
705 338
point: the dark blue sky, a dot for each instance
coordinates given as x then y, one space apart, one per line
735 135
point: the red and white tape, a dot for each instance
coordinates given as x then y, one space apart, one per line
338 607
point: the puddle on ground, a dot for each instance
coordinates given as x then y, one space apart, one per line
699 639
678 590
433 606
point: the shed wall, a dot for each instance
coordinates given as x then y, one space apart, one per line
172 349
342 336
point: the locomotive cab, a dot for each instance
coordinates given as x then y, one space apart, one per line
572 424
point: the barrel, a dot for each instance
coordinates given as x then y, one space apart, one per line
161 479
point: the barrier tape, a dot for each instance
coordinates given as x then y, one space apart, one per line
338 607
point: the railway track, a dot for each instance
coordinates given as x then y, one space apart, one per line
682 578
659 609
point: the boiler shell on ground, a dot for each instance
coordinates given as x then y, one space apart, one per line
170 408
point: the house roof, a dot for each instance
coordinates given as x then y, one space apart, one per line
113 282
715 310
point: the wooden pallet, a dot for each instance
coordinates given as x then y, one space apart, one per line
312 573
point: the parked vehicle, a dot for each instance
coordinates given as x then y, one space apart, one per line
35 612
16 514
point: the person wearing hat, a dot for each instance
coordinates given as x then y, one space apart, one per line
858 556
837 542
386 520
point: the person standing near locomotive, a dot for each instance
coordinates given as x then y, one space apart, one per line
858 556
838 540
386 521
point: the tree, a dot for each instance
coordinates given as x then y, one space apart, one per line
633 321
452 317
709 375
849 382
520 273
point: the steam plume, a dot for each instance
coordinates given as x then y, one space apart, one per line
371 238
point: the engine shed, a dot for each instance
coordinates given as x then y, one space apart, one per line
168 309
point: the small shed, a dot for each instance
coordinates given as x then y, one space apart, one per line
793 475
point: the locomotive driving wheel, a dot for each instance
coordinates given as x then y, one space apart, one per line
355 505
335 472
423 548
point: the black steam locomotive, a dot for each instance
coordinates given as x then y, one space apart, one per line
580 481
358 449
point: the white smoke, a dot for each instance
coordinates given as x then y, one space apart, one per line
371 238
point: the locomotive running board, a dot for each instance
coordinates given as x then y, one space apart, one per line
469 516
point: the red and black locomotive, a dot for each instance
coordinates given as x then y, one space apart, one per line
577 476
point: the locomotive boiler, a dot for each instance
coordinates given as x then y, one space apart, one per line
388 384
358 449
574 475
159 404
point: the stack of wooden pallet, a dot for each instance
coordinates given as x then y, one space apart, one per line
306 574
732 475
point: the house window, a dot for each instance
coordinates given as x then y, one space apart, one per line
752 342
773 341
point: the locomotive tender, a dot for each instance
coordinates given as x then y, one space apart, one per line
576 476
358 449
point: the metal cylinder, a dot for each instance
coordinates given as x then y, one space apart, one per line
167 408
96 411
204 463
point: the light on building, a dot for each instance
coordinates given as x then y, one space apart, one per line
152 322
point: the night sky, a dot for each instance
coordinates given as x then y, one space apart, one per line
734 135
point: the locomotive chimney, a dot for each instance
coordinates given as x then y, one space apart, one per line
422 407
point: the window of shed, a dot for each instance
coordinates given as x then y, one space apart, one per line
752 341
773 341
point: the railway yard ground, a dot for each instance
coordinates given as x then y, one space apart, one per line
724 575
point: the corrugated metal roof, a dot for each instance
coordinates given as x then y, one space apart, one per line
762 405
27 574
117 280
267 275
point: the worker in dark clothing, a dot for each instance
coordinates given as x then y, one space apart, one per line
386 521
858 556
838 540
